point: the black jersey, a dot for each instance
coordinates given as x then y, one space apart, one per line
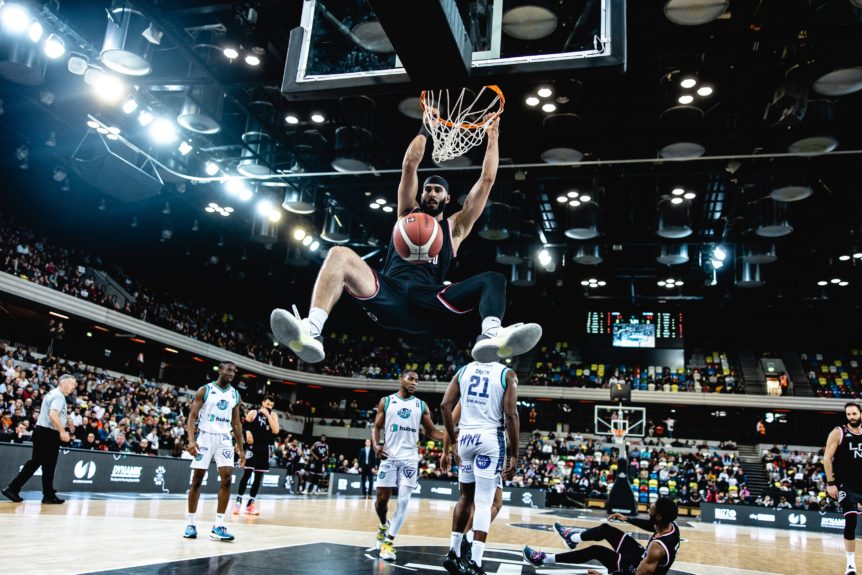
321 450
429 273
293 454
260 431
847 461
670 542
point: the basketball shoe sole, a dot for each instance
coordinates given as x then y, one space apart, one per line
292 331
510 341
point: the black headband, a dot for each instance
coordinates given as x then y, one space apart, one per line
439 180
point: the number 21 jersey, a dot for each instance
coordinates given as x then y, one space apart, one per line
482 388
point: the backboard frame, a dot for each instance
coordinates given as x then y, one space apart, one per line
604 424
609 53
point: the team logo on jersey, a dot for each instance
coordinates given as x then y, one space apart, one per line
222 404
404 413
408 472
394 428
857 451
841 496
483 461
227 453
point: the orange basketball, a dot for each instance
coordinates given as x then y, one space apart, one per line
417 237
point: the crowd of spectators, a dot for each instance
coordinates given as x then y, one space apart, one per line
836 374
796 481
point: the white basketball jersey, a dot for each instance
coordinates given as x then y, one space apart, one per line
403 420
217 410
482 388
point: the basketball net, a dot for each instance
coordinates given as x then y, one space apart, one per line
457 122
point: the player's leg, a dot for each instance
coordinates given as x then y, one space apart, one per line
193 498
387 482
486 292
454 563
486 488
240 490
849 500
343 268
621 545
408 476
255 487
219 531
467 542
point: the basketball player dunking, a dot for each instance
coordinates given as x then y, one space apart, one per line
842 462
626 556
214 414
488 393
261 427
400 415
411 297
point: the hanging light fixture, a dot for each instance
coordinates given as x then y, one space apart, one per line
759 254
748 275
588 255
258 144
125 47
336 226
522 275
774 219
674 219
673 255
561 135
694 12
297 199
202 105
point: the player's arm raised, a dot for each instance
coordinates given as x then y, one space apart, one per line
274 426
462 222
428 426
236 421
379 422
445 460
409 185
832 443
513 423
192 421
655 556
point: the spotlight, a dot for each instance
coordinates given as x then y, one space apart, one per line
185 148
575 203
291 119
130 105
562 199
532 101
306 241
317 118
585 283
54 47
677 191
549 107
822 283
234 186
77 64
844 284
388 209
545 92
585 198
163 131
314 246
544 257
688 82
92 124
835 281
109 88
380 201
572 195
716 264
602 283
230 53
211 168
264 207
14 18
704 91
275 215
844 258
374 206
35 31
690 195
857 255
245 194
676 200
686 99
661 283
299 234
719 253
145 117
252 60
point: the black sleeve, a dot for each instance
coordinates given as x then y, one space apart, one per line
645 524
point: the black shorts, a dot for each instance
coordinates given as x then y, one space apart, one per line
257 459
412 308
850 497
629 553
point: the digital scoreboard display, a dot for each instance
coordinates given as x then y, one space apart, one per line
666 326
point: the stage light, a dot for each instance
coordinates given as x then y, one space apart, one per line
245 194
230 53
704 91
822 283
690 195
545 92
291 119
688 82
92 124
275 215
380 201
317 118
264 207
252 60
314 246
686 99
374 206
574 203
719 253
677 191
130 105
857 255
306 241
585 198
211 168
54 47
835 280
716 264
844 258
185 148
35 31
163 131
844 284
109 88
544 257
14 18
388 209
676 201
562 199
299 234
532 101
549 107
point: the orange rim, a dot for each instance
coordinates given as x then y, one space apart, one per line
468 125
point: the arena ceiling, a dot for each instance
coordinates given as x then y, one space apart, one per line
761 60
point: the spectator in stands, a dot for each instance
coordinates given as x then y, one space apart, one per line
120 444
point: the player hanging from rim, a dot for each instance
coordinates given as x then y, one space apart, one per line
213 415
842 462
411 297
401 415
445 465
488 393
626 556
261 429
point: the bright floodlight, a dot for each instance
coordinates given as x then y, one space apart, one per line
185 148
532 101
299 234
380 201
252 60
676 201
822 283
264 207
688 82
602 283
306 241
54 47
145 117
836 280
35 31
92 124
211 168
690 195
719 253
163 131
130 105
549 107
677 191
573 194
314 245
274 216
844 284
686 99
661 283
585 283
230 53
374 206
388 209
585 198
716 264
109 88
245 194
575 203
234 186
545 92
857 255
844 258
704 91
14 18
317 118
544 257
291 119
562 199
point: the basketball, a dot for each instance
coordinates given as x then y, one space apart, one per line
417 237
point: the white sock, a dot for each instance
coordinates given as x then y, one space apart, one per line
851 558
192 519
490 325
469 536
478 552
219 522
316 318
550 558
456 543
575 538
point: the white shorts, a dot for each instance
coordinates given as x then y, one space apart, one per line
482 453
218 446
398 472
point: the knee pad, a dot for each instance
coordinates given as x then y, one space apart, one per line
850 526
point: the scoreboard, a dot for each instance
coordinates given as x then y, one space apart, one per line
669 328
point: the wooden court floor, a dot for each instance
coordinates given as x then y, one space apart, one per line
122 532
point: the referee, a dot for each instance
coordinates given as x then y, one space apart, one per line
49 432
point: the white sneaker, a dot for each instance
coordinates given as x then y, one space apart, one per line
295 332
510 341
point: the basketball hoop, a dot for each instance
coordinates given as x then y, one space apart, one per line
456 122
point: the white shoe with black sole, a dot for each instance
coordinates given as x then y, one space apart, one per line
516 339
294 332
